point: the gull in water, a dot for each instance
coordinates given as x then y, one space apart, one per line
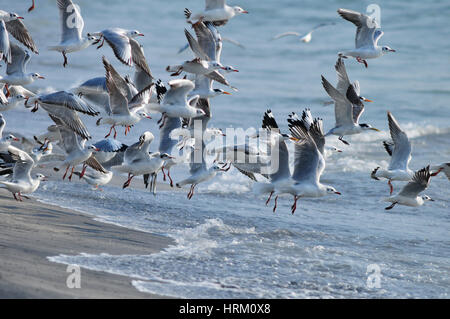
120 111
17 29
21 181
119 40
305 38
72 25
347 110
400 151
216 11
16 73
77 152
309 162
96 178
367 36
409 195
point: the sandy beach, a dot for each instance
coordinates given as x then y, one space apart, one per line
31 231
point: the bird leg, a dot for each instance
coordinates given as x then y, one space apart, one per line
341 138
110 130
128 182
276 201
20 196
32 6
390 186
67 169
164 174
268 200
178 72
362 61
103 41
294 206
8 93
392 206
35 108
191 192
65 58
14 194
170 178
71 173
115 132
83 171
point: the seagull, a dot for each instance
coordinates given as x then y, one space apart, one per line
445 167
16 70
76 150
72 25
64 106
279 157
175 102
408 196
119 41
224 39
309 162
347 113
108 149
306 38
96 178
121 111
17 29
21 181
10 103
216 11
367 36
400 152
137 159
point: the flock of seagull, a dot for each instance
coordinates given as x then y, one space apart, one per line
184 104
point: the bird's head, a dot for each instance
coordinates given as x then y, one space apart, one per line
41 177
11 138
93 148
427 198
14 16
37 76
362 98
366 127
165 156
135 33
146 137
229 68
143 115
332 190
387 49
239 10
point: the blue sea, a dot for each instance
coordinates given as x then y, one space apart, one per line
228 244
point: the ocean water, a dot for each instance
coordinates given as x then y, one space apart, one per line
228 243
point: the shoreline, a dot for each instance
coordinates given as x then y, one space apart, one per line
31 231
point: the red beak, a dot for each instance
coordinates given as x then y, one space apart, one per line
245 11
338 193
141 34
19 17
16 139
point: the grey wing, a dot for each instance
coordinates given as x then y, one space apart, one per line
232 41
69 139
141 98
70 101
139 58
216 76
206 40
365 27
23 166
69 118
19 60
120 45
242 170
217 38
165 142
357 105
195 46
92 162
377 35
5 49
419 183
20 32
119 81
183 48
3 99
343 80
110 145
343 108
117 160
280 161
286 34
306 155
401 154
320 25
117 101
214 4
72 23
